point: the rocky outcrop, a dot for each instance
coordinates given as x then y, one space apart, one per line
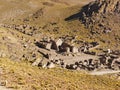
102 7
101 16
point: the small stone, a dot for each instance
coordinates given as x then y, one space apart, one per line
51 65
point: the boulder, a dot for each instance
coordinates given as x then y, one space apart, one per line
37 62
68 50
56 44
59 42
51 65
74 50
48 46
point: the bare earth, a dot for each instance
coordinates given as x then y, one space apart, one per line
104 72
4 88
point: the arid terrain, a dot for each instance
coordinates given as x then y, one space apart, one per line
60 44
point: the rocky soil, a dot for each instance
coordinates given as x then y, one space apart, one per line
17 46
102 17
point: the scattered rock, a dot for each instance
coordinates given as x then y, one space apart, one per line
37 62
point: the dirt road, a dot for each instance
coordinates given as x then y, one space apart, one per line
104 72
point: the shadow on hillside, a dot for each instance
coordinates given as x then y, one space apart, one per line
86 10
78 15
73 17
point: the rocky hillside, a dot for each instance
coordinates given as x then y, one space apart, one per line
71 34
46 18
102 17
24 22
17 46
103 7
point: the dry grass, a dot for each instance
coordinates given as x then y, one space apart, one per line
22 76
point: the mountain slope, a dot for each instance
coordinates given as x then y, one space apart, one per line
102 18
47 17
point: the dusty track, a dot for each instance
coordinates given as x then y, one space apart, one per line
104 72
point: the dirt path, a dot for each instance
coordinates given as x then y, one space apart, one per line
4 88
104 72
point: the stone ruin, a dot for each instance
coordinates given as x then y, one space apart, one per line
58 45
104 62
108 60
61 46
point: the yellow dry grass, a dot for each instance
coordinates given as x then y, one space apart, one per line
23 76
